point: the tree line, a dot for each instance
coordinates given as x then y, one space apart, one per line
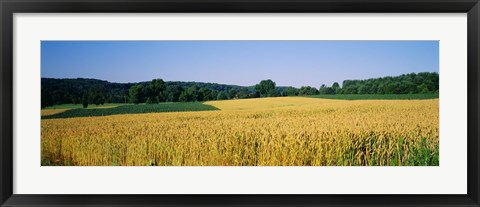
98 92
92 91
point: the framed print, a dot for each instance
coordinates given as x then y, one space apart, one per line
245 103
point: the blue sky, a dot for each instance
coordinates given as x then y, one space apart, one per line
245 63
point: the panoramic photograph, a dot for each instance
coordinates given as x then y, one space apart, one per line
240 103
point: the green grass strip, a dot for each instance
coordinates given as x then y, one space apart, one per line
133 109
79 106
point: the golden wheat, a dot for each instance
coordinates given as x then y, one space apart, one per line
46 112
287 131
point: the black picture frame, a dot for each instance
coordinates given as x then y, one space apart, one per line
9 7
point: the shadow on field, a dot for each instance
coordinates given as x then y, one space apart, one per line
133 109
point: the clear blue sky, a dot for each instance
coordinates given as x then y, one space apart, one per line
245 63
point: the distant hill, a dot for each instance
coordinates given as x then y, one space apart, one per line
93 91
71 90
412 83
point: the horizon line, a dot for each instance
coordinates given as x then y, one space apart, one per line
340 83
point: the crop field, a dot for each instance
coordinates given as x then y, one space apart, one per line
127 109
285 131
48 112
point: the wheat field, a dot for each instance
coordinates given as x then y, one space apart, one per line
283 131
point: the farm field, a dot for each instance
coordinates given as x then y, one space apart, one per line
79 106
125 109
49 112
282 131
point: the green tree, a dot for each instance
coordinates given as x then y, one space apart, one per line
183 97
273 93
307 91
155 91
136 94
336 88
411 83
243 93
172 93
97 95
205 94
85 100
96 98
232 93
362 89
323 89
290 91
265 88
214 94
222 96
389 88
423 88
152 100
313 91
189 95
335 85
46 99
192 93
330 91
